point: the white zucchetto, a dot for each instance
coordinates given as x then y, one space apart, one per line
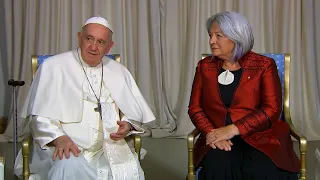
98 20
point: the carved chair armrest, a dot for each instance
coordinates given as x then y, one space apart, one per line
303 148
190 144
26 155
137 144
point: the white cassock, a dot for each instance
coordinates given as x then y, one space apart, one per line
61 102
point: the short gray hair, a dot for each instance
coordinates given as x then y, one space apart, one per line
236 28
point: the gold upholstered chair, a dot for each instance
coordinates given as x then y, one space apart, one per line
27 143
283 64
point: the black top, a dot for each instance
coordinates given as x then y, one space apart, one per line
227 91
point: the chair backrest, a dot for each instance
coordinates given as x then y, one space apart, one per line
283 65
37 60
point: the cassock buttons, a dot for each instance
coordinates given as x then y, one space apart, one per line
249 77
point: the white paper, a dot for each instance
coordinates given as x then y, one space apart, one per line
1 168
317 166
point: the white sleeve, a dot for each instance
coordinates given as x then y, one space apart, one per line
45 130
137 129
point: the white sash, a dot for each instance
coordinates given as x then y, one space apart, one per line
122 161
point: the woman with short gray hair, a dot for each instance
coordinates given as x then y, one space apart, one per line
236 103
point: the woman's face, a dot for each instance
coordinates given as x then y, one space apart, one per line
220 45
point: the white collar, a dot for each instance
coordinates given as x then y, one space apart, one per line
85 65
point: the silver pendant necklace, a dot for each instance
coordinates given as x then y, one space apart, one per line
226 77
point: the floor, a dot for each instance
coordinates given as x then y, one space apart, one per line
166 159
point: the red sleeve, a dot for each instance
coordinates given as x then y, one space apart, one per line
196 113
262 118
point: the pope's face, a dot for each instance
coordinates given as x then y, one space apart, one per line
94 42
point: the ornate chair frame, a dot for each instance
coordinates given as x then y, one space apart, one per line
293 132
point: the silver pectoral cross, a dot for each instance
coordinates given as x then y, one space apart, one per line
98 109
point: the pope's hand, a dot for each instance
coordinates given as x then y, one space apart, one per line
64 145
123 130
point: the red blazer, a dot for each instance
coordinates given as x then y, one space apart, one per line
255 108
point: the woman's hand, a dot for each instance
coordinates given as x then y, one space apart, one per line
222 145
222 134
210 137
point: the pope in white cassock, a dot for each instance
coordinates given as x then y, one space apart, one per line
73 111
